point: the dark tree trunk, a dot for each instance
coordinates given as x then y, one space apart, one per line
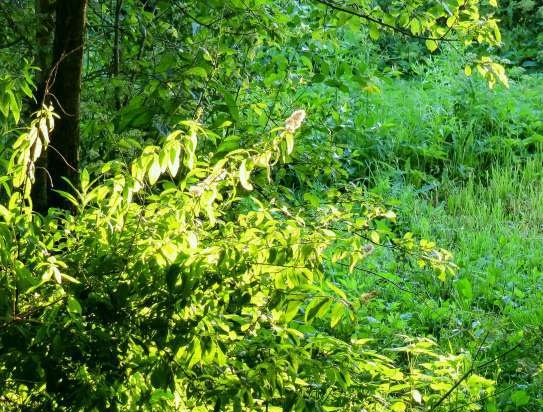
44 28
63 90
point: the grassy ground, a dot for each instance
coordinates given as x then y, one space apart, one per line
494 226
464 166
447 126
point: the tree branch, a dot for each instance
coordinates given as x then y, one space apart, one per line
381 23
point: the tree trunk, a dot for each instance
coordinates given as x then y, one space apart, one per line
45 24
63 90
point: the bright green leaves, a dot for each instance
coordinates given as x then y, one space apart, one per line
398 407
12 90
196 71
374 31
178 149
493 72
73 306
415 26
55 269
172 154
244 175
520 398
194 352
432 45
464 288
318 307
154 169
212 276
28 148
233 291
9 104
433 23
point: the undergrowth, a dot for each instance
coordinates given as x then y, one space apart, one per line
493 223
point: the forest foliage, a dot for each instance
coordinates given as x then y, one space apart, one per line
223 232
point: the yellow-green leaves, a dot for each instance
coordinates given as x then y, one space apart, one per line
179 148
289 138
28 148
374 31
173 154
493 72
415 26
195 352
9 104
318 307
54 268
154 170
12 91
244 175
398 407
432 45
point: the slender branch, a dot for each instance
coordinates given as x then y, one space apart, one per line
381 23
473 369
22 317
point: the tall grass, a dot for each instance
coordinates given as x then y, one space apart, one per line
446 124
493 223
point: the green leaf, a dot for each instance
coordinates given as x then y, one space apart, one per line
315 306
154 170
173 159
312 199
14 106
431 45
463 286
4 104
290 142
374 31
520 398
415 27
195 352
398 407
74 306
26 89
337 290
291 310
196 71
244 175
337 313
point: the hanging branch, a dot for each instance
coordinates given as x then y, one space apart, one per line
381 23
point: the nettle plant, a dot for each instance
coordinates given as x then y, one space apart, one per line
184 281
